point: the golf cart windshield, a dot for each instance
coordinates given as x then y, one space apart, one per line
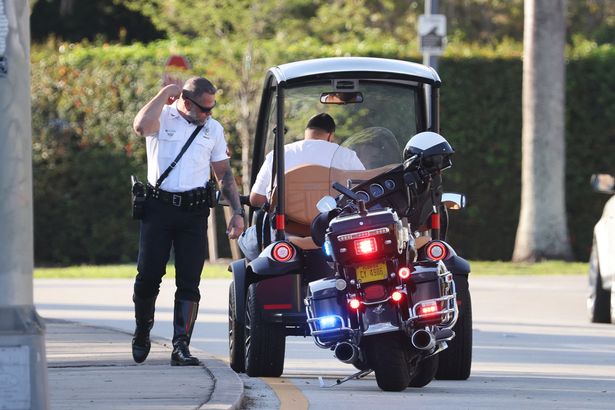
374 119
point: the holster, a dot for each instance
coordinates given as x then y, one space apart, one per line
211 190
138 198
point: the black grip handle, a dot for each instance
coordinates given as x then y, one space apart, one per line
342 189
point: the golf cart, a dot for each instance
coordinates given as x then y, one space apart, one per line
378 105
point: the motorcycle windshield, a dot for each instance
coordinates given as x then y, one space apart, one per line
364 155
369 149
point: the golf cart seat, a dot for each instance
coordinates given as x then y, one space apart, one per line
305 186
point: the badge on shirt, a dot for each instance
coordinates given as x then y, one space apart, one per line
169 133
205 131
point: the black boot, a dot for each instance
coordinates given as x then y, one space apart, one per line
184 316
144 316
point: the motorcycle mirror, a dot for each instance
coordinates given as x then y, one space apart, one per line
603 183
453 200
326 204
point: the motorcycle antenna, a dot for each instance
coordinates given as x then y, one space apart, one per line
435 215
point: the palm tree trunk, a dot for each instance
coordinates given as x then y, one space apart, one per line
542 232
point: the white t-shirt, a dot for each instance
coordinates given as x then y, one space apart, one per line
315 152
193 169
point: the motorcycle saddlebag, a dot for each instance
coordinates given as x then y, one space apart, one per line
425 283
327 314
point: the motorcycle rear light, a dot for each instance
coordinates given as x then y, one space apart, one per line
365 246
375 292
397 296
364 234
283 252
404 273
328 322
327 248
436 251
278 306
428 309
354 303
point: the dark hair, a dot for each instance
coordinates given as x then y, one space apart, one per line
196 86
322 121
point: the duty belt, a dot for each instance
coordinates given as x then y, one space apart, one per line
193 199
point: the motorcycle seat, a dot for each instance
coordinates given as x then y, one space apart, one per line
303 242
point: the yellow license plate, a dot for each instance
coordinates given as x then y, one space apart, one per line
372 273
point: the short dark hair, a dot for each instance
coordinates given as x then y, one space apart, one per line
322 121
196 86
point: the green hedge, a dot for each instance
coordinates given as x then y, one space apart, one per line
84 99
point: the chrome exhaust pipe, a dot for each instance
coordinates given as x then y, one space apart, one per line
346 352
423 340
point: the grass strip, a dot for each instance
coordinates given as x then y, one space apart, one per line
210 271
538 268
219 270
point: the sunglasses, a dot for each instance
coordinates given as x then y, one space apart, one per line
200 107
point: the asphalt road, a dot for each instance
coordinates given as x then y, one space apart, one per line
533 347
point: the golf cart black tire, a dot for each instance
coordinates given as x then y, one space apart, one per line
236 336
387 356
599 299
456 360
265 343
425 372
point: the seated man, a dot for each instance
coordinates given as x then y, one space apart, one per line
316 148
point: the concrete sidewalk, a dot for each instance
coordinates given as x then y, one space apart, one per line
92 368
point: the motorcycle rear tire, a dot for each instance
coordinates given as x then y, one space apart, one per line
387 356
236 338
265 343
456 360
425 372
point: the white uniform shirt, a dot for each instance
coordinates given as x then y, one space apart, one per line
193 169
315 152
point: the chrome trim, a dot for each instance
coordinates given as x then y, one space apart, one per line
378 302
315 333
353 356
380 328
363 234
440 347
449 302
423 332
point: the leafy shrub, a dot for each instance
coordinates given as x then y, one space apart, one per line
84 99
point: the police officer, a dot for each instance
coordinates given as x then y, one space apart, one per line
171 218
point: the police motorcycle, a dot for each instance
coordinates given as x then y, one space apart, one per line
385 307
289 286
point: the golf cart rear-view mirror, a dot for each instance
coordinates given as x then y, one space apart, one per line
341 98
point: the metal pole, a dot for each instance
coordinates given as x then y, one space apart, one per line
23 364
431 7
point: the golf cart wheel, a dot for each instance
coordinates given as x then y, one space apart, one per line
265 343
456 360
235 334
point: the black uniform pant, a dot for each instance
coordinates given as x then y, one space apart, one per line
164 225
